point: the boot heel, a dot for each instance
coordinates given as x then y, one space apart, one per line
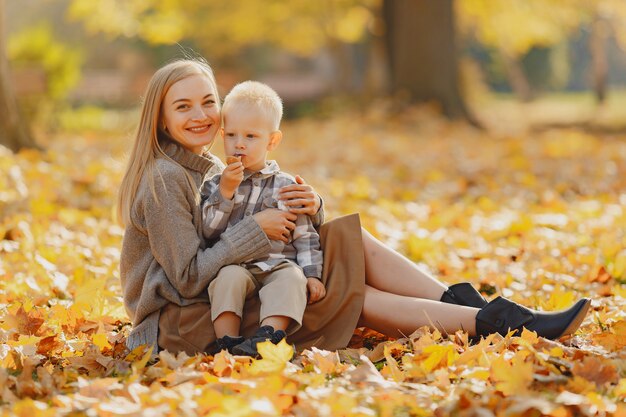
577 321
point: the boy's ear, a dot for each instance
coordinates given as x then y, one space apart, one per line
275 138
222 132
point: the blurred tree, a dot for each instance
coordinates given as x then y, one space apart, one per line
512 28
608 17
422 52
14 132
599 62
35 47
223 28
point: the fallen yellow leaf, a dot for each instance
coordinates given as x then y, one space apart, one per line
274 357
512 377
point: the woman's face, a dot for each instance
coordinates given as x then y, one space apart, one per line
191 112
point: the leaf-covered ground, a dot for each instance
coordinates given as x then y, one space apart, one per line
540 218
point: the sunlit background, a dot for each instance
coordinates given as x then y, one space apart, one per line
513 64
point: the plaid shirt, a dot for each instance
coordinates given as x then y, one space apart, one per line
259 191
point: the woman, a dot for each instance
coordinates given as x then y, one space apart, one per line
166 266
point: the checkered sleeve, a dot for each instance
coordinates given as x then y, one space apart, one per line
215 209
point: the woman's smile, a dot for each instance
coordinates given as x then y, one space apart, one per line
191 112
200 129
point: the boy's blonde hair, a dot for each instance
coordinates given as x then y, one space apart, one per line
258 95
146 148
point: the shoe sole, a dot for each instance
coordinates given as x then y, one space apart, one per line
578 319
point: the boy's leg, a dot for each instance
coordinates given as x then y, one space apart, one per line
227 293
283 297
283 300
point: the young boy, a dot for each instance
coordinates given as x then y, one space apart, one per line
251 117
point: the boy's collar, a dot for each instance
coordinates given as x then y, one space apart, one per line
271 168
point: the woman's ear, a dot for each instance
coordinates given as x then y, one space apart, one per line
275 138
222 132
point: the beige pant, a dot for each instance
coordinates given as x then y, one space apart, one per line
327 324
282 291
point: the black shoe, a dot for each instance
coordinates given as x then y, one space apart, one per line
463 294
502 315
227 343
263 334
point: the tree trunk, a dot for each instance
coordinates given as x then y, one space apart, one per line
377 70
517 78
599 63
422 52
14 132
343 64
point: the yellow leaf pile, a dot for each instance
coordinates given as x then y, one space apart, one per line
538 218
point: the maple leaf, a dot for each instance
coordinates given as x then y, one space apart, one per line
512 377
323 361
23 322
615 339
223 363
598 370
48 345
101 340
139 363
559 300
274 357
391 366
443 355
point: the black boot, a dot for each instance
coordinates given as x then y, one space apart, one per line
227 343
501 314
263 334
463 294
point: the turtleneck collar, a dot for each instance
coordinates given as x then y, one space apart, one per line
186 158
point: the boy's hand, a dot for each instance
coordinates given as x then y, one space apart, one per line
230 180
316 290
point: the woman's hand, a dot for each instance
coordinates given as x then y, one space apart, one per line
300 198
316 290
276 224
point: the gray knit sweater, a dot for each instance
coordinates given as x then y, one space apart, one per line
165 260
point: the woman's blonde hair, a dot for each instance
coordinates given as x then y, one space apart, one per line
146 147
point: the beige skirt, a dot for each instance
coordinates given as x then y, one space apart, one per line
327 324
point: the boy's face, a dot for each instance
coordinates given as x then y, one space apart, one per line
248 133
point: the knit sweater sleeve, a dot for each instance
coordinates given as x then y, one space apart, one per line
175 241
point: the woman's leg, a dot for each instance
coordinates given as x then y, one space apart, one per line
396 315
389 271
399 298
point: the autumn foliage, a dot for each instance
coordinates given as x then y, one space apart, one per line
538 217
